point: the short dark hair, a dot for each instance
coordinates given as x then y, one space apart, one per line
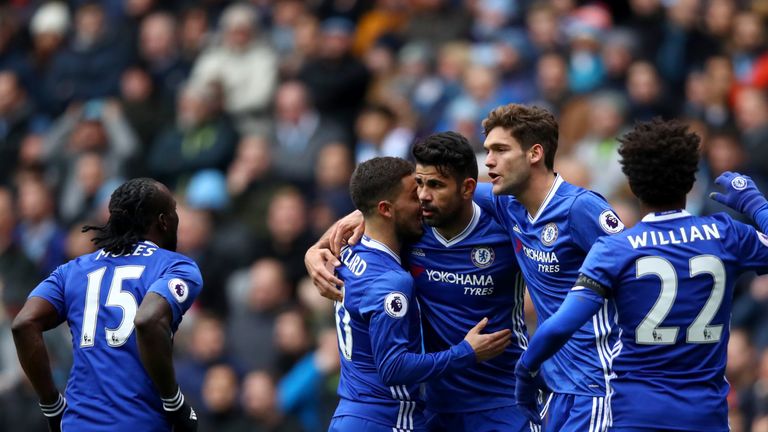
529 126
133 208
377 179
449 152
660 159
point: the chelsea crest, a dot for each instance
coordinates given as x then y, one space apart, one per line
549 234
483 256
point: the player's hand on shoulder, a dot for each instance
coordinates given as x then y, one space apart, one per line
526 392
488 345
182 416
740 193
54 412
347 231
320 263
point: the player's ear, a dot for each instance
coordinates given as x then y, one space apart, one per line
162 222
468 187
384 208
535 153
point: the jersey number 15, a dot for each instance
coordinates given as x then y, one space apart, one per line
115 298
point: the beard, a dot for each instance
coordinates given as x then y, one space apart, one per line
408 231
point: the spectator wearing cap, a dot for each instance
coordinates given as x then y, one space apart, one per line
244 66
336 80
48 28
89 67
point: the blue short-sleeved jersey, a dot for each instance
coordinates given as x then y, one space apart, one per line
551 246
380 344
458 282
98 295
672 278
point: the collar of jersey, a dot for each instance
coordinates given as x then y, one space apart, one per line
374 244
551 194
664 216
464 233
149 242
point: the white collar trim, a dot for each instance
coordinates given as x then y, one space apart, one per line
465 232
374 244
551 194
658 217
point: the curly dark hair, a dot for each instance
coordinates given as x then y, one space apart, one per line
528 125
449 152
660 159
133 207
377 179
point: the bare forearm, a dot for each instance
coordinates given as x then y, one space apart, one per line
33 357
156 351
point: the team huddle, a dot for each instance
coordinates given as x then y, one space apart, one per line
633 323
429 286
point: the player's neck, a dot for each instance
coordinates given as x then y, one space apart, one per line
459 223
382 233
539 185
646 208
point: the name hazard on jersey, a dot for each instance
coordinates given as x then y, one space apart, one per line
481 284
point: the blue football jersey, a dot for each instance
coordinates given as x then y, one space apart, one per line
551 246
380 344
98 294
672 278
458 282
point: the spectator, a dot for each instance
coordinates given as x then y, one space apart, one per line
336 80
16 117
379 134
90 66
751 109
257 296
159 51
598 150
288 232
18 274
301 131
252 182
201 138
40 235
240 55
206 348
220 392
261 407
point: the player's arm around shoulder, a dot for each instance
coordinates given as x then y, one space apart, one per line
387 302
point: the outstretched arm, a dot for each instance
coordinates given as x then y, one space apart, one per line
741 194
579 306
37 316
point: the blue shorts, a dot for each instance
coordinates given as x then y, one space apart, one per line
574 413
504 419
357 424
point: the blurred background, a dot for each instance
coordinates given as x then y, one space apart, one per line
254 114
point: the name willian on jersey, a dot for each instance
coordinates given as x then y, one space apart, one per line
679 235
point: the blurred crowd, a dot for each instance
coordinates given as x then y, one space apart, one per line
254 113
